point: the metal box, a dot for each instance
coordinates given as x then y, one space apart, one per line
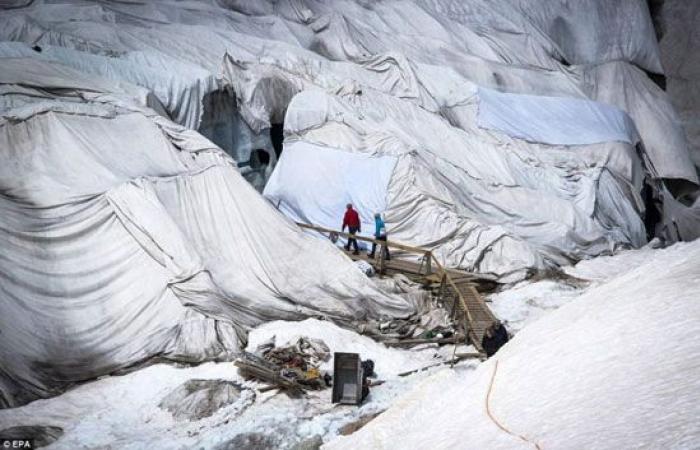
347 379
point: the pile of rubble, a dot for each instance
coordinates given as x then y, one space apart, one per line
296 367
293 367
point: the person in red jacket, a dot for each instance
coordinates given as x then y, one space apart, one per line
352 221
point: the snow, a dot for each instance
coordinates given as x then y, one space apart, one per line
604 358
528 301
614 368
520 304
123 410
607 267
620 353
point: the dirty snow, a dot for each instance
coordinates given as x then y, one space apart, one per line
123 410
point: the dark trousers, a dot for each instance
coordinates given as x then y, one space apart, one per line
351 240
386 248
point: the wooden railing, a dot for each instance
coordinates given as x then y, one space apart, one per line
427 255
430 262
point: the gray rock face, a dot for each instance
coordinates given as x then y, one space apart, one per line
43 435
197 399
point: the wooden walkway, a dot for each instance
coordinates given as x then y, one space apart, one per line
456 288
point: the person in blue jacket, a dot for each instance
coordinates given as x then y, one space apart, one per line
380 235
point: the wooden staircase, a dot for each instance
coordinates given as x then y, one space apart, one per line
468 309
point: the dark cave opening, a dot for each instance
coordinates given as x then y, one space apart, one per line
277 137
259 159
653 208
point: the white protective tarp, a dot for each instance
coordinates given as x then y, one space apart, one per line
553 120
319 182
481 200
512 46
127 238
489 200
631 90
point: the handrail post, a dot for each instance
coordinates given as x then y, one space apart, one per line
382 259
428 265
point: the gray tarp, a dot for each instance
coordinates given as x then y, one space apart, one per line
268 52
511 46
126 237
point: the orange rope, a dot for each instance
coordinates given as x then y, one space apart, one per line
494 420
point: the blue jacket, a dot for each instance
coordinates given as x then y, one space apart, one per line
379 227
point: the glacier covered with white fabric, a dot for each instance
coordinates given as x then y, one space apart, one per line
464 94
127 238
509 136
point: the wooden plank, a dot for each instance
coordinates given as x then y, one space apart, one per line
478 316
390 266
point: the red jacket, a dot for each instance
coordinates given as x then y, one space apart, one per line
351 219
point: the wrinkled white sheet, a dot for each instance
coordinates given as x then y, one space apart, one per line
390 79
483 202
681 61
127 238
554 120
330 179
540 203
508 45
650 109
